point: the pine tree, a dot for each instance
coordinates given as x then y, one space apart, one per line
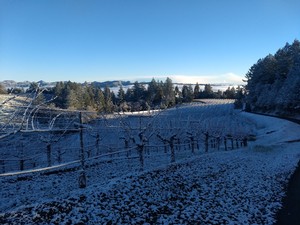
272 83
196 90
108 100
151 91
138 91
99 100
187 93
121 95
230 93
178 95
169 94
208 92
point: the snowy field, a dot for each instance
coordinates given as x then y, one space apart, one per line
238 186
39 144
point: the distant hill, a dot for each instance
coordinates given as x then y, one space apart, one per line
8 84
25 84
14 84
115 83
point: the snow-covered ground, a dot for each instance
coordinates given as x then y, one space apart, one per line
241 186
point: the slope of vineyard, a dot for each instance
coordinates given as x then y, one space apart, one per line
238 186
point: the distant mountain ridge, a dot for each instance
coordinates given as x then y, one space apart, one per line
8 84
114 83
26 84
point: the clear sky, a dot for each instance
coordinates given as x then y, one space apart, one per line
85 40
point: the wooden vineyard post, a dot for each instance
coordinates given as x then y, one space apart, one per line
22 164
49 155
59 158
141 150
171 143
141 155
82 176
245 143
206 141
22 159
2 163
225 143
218 142
192 141
165 146
178 144
172 139
97 144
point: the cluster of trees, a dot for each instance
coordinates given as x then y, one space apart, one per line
273 83
156 94
92 97
140 96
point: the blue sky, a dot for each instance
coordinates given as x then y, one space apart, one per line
189 41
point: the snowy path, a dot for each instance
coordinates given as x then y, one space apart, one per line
236 187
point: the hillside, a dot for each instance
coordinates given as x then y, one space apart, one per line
240 186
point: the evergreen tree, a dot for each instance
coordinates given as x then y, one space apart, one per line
88 97
108 100
39 99
121 95
138 91
187 93
158 94
169 94
151 91
272 83
207 92
99 100
178 95
219 94
33 88
196 90
129 95
72 101
113 98
230 93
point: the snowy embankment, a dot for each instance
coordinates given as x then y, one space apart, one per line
244 186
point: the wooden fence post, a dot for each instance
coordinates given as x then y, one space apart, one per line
172 139
97 144
245 143
82 177
22 164
2 163
59 158
140 148
206 141
49 154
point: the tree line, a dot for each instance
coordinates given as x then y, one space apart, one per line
153 95
273 83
